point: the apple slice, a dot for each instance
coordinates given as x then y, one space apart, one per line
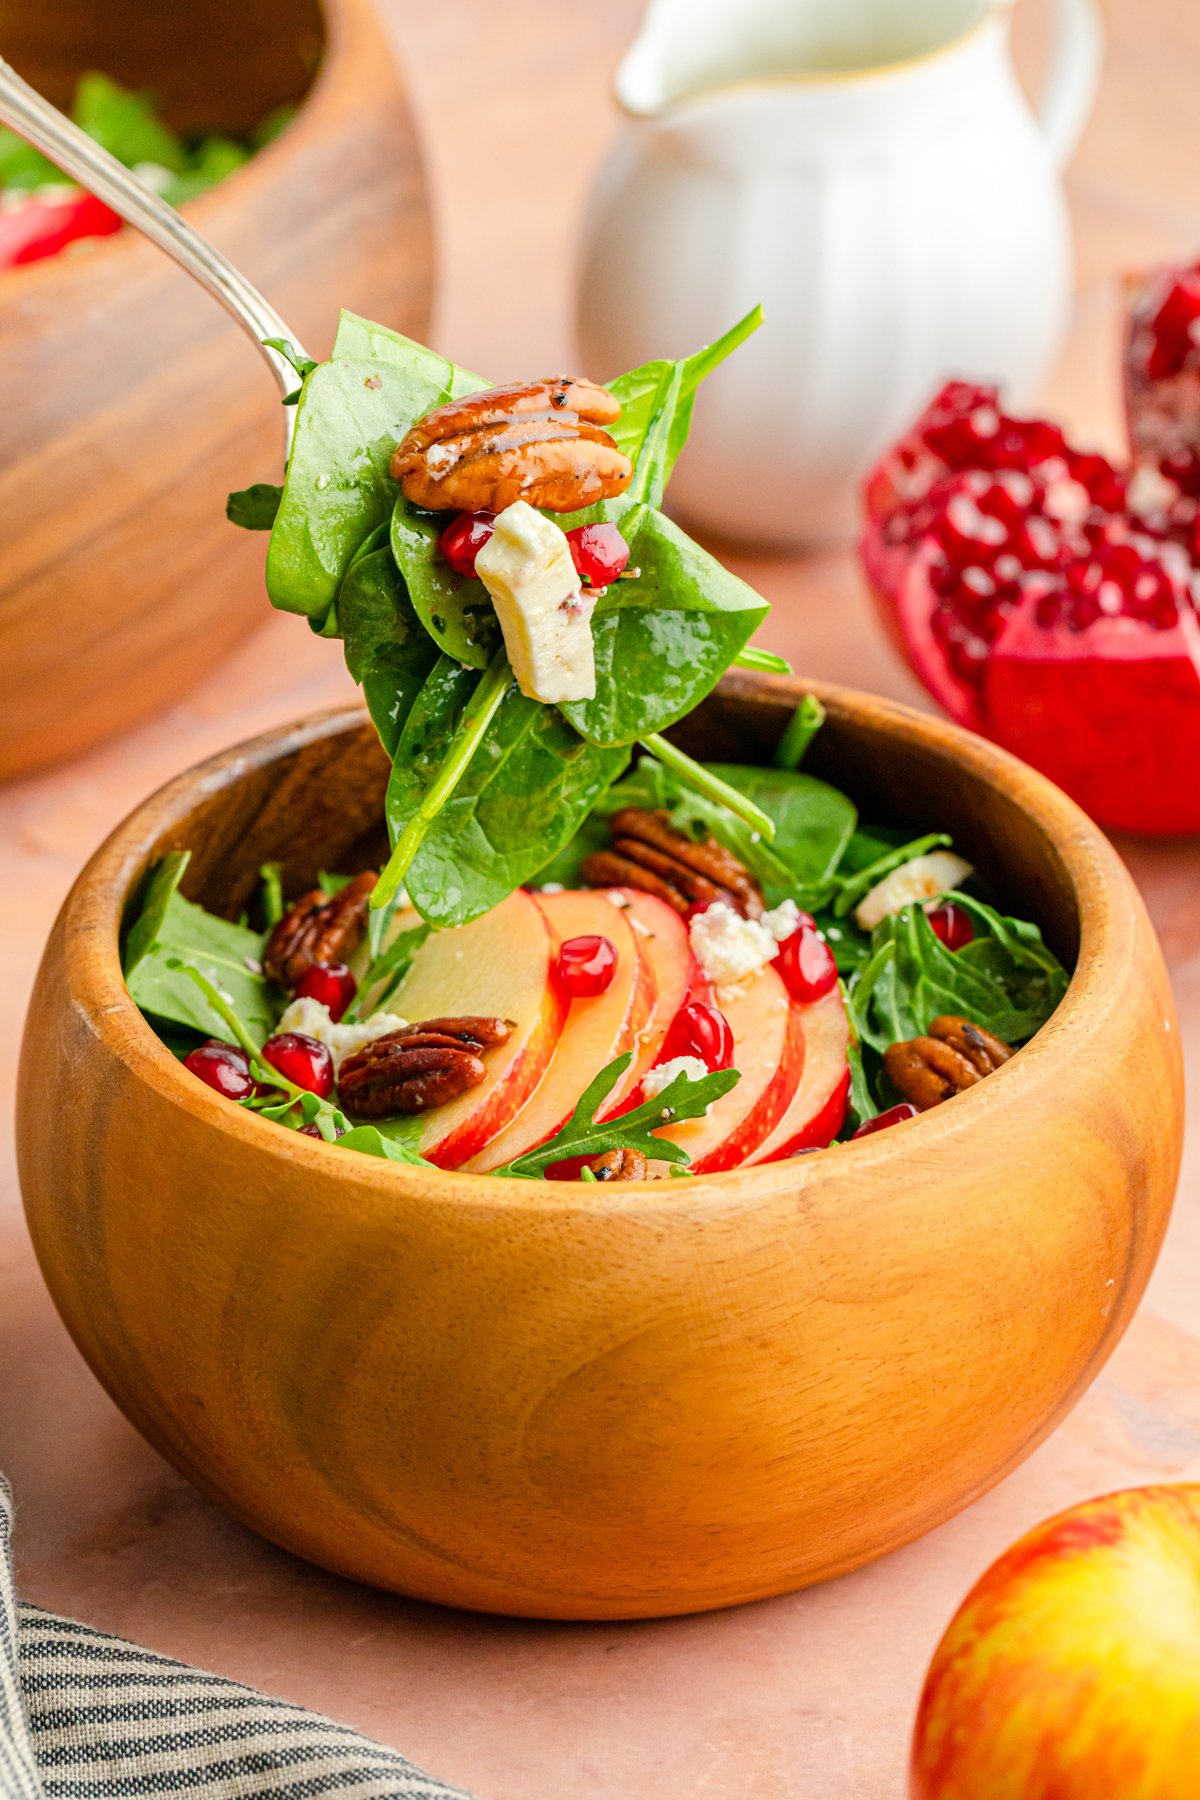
595 1029
498 966
663 940
768 1043
818 1106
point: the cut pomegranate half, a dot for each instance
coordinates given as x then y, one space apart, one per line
1049 600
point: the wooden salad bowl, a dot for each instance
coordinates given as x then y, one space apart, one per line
603 1402
132 405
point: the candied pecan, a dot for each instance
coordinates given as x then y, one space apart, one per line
955 1055
319 928
419 1067
648 853
540 441
619 1165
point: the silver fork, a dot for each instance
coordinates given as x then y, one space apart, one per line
70 149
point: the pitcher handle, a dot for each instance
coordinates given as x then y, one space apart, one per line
1076 59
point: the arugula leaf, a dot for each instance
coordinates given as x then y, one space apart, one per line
1005 980
388 652
387 969
351 415
254 508
172 931
582 1136
664 640
525 790
456 610
272 894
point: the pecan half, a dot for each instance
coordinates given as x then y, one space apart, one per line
619 1165
540 441
418 1068
648 853
319 928
955 1055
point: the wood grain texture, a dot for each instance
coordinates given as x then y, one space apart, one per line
568 1404
130 404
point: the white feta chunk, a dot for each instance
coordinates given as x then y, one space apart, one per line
783 921
728 947
312 1018
921 879
655 1080
544 614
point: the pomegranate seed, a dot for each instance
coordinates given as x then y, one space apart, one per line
306 1062
893 1116
223 1067
952 924
464 539
314 1131
599 552
701 1031
1174 329
806 964
585 966
332 984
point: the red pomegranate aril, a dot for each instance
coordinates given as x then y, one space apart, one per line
1175 329
305 1061
701 1031
331 984
464 539
585 966
806 965
895 1115
599 552
222 1067
952 924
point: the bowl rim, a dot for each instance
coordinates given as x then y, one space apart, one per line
345 24
1105 897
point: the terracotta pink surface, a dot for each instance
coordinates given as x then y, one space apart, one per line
806 1698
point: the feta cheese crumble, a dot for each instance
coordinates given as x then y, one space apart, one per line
924 878
312 1018
545 616
728 947
655 1080
783 921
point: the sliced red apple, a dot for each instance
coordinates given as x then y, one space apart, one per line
663 940
497 966
595 1031
818 1106
768 1044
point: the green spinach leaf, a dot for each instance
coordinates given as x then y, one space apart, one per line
254 508
388 651
456 610
664 640
526 789
159 891
229 956
1005 980
369 1140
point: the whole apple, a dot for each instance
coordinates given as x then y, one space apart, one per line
1072 1669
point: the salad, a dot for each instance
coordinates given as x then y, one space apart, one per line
42 212
588 956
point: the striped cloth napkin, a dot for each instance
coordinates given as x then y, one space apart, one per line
89 1717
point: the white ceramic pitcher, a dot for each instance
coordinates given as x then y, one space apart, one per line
871 171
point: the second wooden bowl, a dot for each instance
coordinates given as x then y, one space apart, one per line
131 403
593 1402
